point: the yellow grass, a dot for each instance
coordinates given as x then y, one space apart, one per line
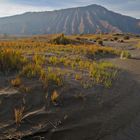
18 115
54 96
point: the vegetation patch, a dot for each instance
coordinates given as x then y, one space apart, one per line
11 61
138 45
103 73
61 40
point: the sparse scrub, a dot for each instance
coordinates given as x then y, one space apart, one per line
43 76
31 71
39 60
11 61
103 73
43 57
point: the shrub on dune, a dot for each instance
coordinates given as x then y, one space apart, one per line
61 40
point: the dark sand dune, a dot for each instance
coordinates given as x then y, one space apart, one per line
102 114
115 116
119 117
131 130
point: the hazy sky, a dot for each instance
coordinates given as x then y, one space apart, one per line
12 7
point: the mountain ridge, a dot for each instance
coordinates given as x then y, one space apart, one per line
80 20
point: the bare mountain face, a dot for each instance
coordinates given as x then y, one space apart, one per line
89 19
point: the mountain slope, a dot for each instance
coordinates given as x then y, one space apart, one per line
89 19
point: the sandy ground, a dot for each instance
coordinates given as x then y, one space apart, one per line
89 114
119 113
129 131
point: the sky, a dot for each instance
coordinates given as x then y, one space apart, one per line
13 7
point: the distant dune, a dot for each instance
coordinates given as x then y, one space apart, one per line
82 20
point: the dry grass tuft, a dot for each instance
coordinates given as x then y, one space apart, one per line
11 61
54 96
16 82
19 115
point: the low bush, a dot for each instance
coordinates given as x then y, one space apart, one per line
126 37
61 40
115 38
100 42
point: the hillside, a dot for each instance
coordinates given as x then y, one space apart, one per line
89 19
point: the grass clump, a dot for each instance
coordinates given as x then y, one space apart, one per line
53 60
39 60
138 45
54 97
19 115
11 61
31 71
16 82
55 79
125 55
78 77
101 52
103 73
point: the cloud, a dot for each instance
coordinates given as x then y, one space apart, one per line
8 9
